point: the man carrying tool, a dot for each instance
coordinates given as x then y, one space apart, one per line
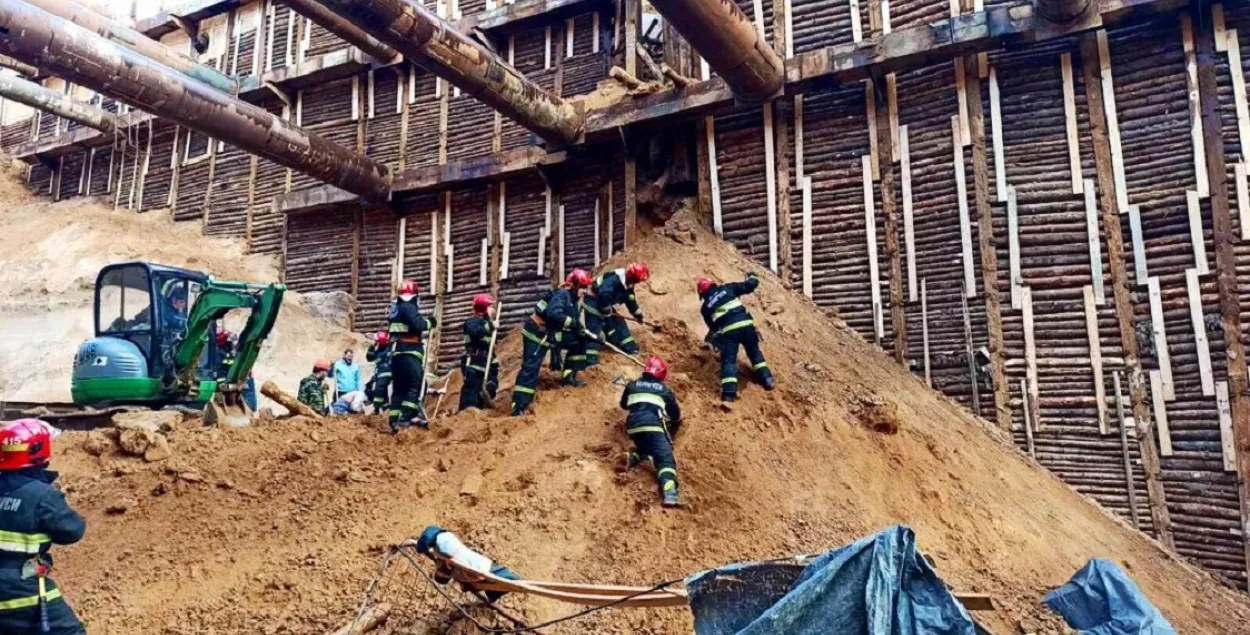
610 289
407 329
33 517
479 372
554 324
378 388
312 390
650 402
729 326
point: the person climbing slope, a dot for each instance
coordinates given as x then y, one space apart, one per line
730 326
379 387
610 289
407 329
474 367
554 323
654 417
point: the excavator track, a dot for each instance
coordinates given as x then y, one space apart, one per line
66 416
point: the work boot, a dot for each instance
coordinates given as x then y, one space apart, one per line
632 460
516 411
670 499
572 380
769 383
729 398
423 424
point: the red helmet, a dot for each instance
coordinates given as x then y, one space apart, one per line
24 443
578 279
482 302
705 283
637 272
321 364
382 338
408 289
656 368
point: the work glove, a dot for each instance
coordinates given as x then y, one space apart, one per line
752 274
589 336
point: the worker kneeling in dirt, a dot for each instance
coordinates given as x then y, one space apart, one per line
408 328
33 517
650 402
479 373
455 561
554 324
610 289
379 387
729 326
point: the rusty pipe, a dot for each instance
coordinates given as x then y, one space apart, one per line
39 97
347 31
138 42
14 65
1061 11
63 48
429 41
724 36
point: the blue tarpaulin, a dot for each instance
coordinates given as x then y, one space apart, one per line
1102 600
879 585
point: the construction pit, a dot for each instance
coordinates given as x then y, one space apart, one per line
999 248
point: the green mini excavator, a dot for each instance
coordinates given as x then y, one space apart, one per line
153 327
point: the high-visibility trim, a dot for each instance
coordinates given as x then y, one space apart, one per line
568 321
567 372
395 413
729 380
523 390
420 354
15 447
23 543
737 325
670 486
666 470
398 327
382 376
725 308
29 601
644 397
409 404
575 358
478 368
592 352
541 307
642 429
591 310
541 341
760 366
628 340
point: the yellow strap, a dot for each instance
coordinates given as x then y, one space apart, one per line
534 338
29 601
644 397
23 543
642 429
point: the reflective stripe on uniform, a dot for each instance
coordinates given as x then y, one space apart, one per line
729 380
534 338
642 429
382 376
23 543
575 358
628 340
398 327
420 354
726 308
477 368
760 365
737 325
523 389
643 397
409 404
541 306
670 485
29 601
666 470
591 310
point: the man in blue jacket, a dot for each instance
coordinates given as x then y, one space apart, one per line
346 375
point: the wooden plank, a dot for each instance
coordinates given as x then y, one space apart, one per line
1197 236
1201 345
798 138
965 221
870 230
611 243
1219 26
1028 422
968 352
893 252
1095 359
1129 481
909 227
1095 243
1161 413
483 273
1013 247
594 32
857 30
631 205
562 271
924 330
1113 121
1139 245
717 224
807 236
1228 445
507 254
870 103
1237 73
434 249
401 246
1243 199
961 91
891 87
885 17
1069 113
1030 355
770 183
1195 107
1159 328
996 129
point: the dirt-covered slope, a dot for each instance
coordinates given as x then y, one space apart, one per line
278 528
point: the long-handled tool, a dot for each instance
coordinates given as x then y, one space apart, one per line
632 358
487 400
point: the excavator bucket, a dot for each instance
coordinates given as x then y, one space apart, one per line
227 408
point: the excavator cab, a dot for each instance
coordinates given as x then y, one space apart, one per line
152 328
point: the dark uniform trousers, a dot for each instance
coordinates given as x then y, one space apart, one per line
727 343
534 347
474 370
656 446
33 516
379 387
408 373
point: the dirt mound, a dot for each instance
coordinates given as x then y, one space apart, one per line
277 528
47 277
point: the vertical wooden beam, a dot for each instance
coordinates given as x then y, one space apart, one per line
889 209
1226 278
1195 107
1140 272
1069 115
1105 168
1095 360
909 220
969 347
1238 76
1095 244
631 202
1129 481
1159 328
807 236
770 187
924 331
965 218
357 224
989 258
1030 357
253 162
1197 236
709 127
632 18
1028 422
1111 117
703 146
870 103
1161 413
783 45
870 231
1013 248
407 88
996 129
1201 345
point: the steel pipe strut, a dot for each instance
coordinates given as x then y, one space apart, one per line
62 48
138 42
347 31
724 36
48 100
429 41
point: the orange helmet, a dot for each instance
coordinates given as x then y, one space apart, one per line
578 279
637 272
321 364
482 302
24 443
705 284
656 368
408 289
383 338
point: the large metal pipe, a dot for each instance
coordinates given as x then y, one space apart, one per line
14 65
40 98
138 42
724 36
60 47
349 32
437 46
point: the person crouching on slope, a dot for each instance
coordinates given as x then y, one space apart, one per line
554 323
650 402
478 372
33 517
729 326
379 387
610 289
407 329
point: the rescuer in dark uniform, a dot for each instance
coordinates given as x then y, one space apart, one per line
379 387
33 517
650 402
610 289
407 329
729 326
554 323
474 366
